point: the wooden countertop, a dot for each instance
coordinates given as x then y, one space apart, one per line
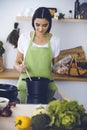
68 78
9 74
13 74
8 123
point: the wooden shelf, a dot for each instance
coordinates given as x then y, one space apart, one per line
21 18
9 74
71 20
13 74
68 78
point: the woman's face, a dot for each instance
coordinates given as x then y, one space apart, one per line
41 25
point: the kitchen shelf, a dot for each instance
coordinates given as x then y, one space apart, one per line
9 74
71 20
13 74
21 18
68 78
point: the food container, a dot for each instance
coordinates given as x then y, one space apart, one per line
3 102
37 89
8 91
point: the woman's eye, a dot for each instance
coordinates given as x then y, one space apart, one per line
45 25
37 24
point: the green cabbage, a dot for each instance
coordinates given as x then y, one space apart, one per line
66 115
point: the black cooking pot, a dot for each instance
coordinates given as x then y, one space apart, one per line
8 91
37 89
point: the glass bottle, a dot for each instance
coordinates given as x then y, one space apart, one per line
77 9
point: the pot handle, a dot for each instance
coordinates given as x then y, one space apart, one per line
24 79
18 90
51 80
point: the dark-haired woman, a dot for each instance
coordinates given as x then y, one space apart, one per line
37 50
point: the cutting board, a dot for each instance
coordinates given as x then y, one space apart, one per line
77 52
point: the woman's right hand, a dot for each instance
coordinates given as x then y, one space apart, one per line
20 68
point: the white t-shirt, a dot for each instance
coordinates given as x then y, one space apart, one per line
24 41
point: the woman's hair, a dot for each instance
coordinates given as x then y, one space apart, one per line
42 12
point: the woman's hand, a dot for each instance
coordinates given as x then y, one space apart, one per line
20 68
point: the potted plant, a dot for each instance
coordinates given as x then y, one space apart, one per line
2 51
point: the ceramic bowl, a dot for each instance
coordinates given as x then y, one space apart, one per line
3 102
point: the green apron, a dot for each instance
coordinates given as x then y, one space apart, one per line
38 62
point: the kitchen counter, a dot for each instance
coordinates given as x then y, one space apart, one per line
68 78
13 74
9 74
8 123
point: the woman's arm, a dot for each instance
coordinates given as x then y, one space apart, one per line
18 65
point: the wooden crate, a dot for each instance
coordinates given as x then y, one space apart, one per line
77 52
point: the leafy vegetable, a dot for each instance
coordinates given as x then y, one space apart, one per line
60 115
2 101
84 120
66 115
2 50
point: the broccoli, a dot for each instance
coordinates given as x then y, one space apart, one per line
40 122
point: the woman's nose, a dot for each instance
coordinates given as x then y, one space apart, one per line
40 28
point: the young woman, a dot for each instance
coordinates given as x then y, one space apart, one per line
37 50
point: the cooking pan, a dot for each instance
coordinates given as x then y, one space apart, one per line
8 91
37 89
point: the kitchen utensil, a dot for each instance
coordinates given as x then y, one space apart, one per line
3 102
27 72
28 75
37 89
9 91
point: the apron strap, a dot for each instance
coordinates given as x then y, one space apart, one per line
48 40
32 38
